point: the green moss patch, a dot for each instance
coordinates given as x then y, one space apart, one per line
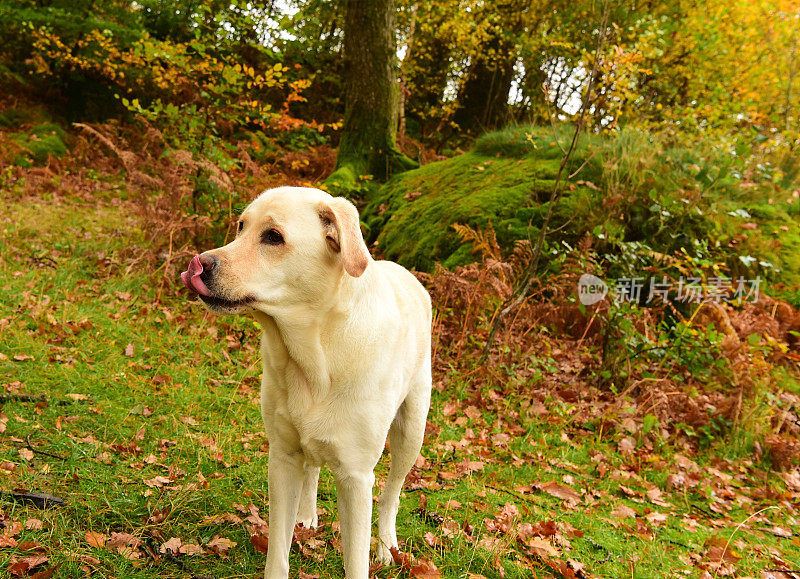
38 143
504 182
625 190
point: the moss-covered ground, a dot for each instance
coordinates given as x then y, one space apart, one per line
32 138
623 191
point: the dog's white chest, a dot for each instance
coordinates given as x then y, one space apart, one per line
314 439
319 452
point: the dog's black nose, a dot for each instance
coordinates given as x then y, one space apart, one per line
209 262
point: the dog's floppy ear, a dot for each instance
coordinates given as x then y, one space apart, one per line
343 234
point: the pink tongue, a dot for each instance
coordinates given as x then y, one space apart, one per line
191 277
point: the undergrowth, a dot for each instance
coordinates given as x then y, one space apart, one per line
633 192
613 439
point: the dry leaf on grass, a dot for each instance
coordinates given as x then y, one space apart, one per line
221 545
623 512
541 547
97 540
559 491
425 569
260 542
173 545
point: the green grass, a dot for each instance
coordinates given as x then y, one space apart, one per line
74 295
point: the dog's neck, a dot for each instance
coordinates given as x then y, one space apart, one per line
294 343
297 331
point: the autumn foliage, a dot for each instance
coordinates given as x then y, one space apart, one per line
568 440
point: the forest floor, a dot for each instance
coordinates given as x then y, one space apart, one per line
145 422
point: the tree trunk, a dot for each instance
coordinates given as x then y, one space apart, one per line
367 146
483 98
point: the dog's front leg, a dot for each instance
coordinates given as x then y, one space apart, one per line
307 511
355 518
285 482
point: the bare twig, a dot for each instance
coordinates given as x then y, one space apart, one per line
22 398
511 493
39 500
42 452
589 157
526 280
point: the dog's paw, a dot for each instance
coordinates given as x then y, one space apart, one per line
309 522
383 554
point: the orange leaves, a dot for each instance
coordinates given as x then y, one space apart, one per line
504 520
35 556
655 496
559 491
23 567
541 547
542 540
96 540
221 546
260 542
158 481
133 547
720 556
623 512
425 569
125 544
418 569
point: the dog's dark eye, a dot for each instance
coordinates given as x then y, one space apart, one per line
239 227
272 237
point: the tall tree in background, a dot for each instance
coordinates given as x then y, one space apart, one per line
483 96
368 146
432 33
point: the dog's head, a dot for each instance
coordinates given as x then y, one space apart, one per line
293 246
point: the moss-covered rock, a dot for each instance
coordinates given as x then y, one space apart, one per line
626 191
38 143
503 181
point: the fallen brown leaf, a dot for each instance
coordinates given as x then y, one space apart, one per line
425 569
173 545
623 512
97 540
221 545
559 491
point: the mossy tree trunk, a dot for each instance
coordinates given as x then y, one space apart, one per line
368 146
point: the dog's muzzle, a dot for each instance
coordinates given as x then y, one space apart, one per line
193 276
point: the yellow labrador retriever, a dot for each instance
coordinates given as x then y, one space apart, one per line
347 360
